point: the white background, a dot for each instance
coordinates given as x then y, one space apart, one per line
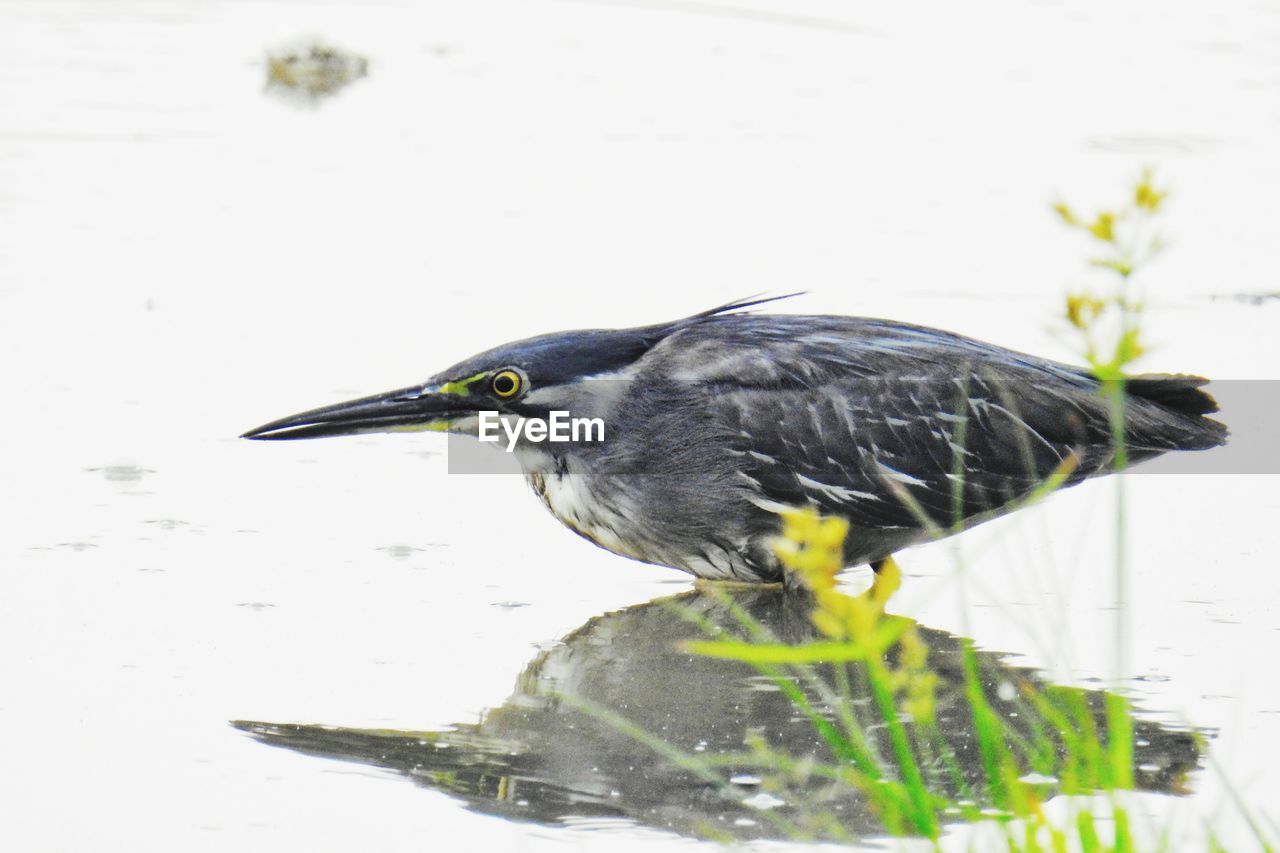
183 257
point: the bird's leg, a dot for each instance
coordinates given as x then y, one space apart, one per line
887 578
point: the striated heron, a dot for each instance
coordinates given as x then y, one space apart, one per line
714 422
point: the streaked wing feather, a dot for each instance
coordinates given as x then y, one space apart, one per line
884 451
880 421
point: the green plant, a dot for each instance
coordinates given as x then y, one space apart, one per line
1109 331
1057 743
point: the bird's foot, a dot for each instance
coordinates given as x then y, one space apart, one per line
886 580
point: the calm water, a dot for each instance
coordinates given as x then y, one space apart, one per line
184 255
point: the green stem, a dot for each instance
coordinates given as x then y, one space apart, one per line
922 813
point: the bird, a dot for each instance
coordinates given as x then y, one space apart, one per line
715 424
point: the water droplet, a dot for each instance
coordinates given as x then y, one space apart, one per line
763 801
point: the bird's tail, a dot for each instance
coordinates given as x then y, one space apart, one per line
1175 391
1175 411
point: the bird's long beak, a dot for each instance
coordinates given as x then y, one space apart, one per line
407 410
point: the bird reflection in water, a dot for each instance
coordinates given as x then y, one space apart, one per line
541 757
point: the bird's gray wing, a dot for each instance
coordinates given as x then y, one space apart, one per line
885 422
889 451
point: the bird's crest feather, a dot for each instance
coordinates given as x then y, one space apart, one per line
742 304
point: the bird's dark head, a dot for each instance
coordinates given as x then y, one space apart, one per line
528 378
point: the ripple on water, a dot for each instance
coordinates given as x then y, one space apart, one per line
121 473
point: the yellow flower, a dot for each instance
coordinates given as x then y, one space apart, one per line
1146 196
1083 309
1067 214
1104 227
812 546
921 682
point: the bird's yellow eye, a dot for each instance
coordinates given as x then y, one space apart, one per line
506 384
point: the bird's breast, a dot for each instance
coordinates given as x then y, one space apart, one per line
571 498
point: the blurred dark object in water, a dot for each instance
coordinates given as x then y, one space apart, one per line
1257 298
540 758
312 72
